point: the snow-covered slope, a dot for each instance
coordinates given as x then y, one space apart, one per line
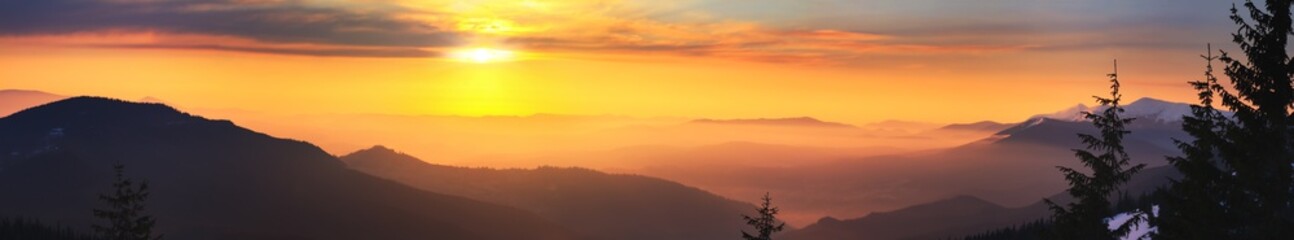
1146 109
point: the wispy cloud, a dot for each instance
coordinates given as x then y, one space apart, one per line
639 27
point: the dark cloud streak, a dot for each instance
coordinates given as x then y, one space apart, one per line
325 52
268 21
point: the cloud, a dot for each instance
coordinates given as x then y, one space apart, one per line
638 28
745 41
819 31
318 52
1048 25
267 21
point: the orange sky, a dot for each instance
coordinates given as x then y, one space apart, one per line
847 61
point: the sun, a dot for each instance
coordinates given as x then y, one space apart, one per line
482 55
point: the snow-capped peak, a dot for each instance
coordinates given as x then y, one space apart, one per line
1074 113
1144 109
1159 110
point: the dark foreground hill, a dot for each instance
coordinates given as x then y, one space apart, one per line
214 180
606 206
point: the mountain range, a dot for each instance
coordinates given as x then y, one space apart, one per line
605 206
1010 167
798 121
963 215
211 179
1145 109
1013 167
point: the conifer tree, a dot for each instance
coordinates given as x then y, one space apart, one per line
1237 178
125 214
1085 218
1192 207
765 222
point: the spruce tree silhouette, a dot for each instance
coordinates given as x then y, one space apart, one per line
765 222
1085 218
125 214
1191 207
1237 174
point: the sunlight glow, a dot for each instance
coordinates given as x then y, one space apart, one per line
482 55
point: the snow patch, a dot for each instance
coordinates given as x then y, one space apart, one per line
1139 231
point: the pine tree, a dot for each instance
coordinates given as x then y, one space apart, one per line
1192 207
1237 178
1085 218
125 214
765 222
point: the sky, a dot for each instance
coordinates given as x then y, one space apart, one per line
848 61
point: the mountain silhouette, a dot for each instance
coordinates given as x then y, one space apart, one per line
907 223
151 99
14 100
605 206
955 217
787 122
976 126
1014 168
1146 134
971 131
1144 109
214 180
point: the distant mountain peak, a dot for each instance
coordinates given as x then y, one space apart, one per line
792 121
378 149
381 155
151 99
1151 100
1145 108
102 101
977 126
101 107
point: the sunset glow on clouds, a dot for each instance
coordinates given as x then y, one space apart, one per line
427 28
828 50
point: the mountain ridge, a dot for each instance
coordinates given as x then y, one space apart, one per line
791 121
605 206
1146 108
214 180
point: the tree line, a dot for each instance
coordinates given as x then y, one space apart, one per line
1237 171
124 217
